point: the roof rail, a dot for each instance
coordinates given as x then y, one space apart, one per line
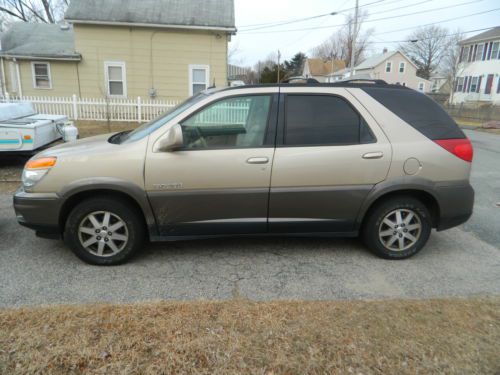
364 80
300 80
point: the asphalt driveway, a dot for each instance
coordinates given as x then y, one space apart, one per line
464 261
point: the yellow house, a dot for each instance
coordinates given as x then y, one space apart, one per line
168 49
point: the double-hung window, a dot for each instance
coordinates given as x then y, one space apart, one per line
473 84
494 50
116 81
460 84
388 66
198 78
402 66
479 52
41 75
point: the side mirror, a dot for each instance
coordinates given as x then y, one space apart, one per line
171 141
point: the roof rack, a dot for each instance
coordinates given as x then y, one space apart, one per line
364 80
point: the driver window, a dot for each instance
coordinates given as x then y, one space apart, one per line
230 123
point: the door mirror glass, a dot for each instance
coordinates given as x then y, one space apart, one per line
170 141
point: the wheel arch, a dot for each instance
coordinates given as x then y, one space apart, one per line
423 192
128 192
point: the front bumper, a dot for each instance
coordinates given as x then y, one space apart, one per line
39 211
456 203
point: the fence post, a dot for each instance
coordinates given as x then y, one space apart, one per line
139 110
75 108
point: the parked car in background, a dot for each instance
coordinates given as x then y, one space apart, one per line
344 159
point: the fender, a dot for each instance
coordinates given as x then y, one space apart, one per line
134 191
393 185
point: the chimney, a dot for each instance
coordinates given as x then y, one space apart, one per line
384 50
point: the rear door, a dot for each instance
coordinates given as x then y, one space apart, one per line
330 153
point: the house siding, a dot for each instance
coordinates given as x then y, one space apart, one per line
409 77
158 58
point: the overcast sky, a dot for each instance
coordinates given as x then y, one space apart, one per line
257 44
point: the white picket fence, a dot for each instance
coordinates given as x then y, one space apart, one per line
97 109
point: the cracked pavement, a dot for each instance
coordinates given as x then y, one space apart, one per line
463 261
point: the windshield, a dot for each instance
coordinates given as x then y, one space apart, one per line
146 129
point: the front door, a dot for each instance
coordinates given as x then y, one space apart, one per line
218 183
489 84
329 156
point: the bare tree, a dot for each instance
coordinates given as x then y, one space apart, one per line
450 65
46 11
427 47
339 45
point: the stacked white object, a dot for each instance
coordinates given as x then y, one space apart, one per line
22 129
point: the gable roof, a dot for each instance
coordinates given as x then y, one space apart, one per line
39 40
191 14
494 33
376 60
320 67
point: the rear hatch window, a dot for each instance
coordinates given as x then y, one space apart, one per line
418 110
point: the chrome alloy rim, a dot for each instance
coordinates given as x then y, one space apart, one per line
400 229
103 233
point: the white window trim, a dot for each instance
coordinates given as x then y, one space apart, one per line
390 68
190 72
34 76
123 66
404 67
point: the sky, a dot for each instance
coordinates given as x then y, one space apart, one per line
255 41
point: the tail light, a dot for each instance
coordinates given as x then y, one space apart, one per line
461 148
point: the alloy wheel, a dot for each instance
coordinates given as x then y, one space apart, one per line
400 229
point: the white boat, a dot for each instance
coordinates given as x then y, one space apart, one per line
22 129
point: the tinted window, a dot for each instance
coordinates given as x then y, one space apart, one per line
323 120
418 110
229 123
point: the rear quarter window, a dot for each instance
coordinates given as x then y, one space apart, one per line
419 111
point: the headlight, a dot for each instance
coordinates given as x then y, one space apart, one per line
36 169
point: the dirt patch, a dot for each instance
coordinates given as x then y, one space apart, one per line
91 128
240 337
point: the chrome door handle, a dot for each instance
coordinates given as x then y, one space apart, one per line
259 160
373 155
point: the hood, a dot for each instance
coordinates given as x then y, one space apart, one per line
86 145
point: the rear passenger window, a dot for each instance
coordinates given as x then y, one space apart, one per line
323 120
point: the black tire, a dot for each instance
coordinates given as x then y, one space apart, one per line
373 226
129 215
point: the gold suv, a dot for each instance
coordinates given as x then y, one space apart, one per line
343 159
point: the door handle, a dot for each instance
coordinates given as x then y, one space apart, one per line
373 155
258 160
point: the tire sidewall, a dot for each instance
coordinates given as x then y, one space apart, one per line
115 206
371 235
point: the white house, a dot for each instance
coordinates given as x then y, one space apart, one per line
393 67
478 71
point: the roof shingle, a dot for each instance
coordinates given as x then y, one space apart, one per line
494 33
194 13
320 67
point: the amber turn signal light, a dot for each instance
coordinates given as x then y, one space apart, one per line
42 163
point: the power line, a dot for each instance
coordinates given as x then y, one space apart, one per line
418 40
267 25
372 20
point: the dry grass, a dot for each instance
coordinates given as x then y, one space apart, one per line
241 337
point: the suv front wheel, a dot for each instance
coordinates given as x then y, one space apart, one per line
397 228
104 231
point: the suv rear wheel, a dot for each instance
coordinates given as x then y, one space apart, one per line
104 231
397 228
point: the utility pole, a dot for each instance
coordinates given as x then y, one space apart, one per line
354 36
279 57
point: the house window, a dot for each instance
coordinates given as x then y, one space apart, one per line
465 54
460 84
479 52
388 66
41 75
494 50
402 67
473 84
198 78
115 75
421 86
